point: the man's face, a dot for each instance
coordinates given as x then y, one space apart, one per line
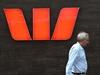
85 42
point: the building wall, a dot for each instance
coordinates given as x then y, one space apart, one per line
48 57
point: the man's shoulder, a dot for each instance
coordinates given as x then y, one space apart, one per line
75 46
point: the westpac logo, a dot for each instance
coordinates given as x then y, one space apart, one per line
41 24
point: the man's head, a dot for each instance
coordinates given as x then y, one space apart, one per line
83 38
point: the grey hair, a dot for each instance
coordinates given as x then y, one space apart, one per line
82 36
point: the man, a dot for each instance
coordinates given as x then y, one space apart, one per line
77 63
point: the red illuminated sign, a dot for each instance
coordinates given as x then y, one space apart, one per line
41 24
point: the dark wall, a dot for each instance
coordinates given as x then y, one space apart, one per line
48 57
